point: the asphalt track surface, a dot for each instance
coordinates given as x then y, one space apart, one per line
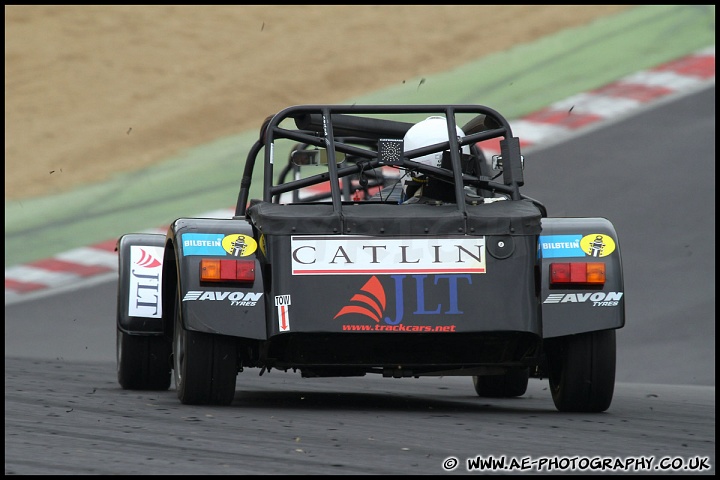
652 174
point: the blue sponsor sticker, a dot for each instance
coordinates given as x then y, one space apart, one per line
203 244
561 246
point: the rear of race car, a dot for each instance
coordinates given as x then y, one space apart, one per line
397 294
353 280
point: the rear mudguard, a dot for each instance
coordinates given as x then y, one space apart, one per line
219 308
380 300
400 269
139 305
567 311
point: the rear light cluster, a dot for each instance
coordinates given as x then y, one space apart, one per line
577 273
217 270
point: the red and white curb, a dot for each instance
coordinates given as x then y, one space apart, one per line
575 114
553 124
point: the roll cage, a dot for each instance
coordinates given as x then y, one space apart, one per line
368 140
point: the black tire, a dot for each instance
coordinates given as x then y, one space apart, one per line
513 383
205 365
581 371
143 362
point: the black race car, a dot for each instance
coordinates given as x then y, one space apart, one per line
383 240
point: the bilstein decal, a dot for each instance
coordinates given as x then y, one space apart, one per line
567 246
597 245
239 245
353 254
234 244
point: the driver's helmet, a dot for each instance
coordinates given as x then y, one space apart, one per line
428 132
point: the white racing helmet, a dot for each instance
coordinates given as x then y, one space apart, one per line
428 132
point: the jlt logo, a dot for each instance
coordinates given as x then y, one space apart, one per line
146 293
145 281
371 301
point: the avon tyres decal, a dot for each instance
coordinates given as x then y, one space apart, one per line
566 246
596 299
145 281
371 301
352 254
236 299
236 244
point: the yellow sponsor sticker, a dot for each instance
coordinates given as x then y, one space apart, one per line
239 245
597 245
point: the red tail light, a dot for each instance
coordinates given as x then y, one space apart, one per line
217 270
577 273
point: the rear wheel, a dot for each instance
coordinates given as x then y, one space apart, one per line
205 365
581 371
512 383
143 362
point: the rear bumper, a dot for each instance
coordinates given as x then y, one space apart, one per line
416 353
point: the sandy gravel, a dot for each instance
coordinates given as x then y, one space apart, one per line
94 90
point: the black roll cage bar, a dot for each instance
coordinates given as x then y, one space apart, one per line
322 125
